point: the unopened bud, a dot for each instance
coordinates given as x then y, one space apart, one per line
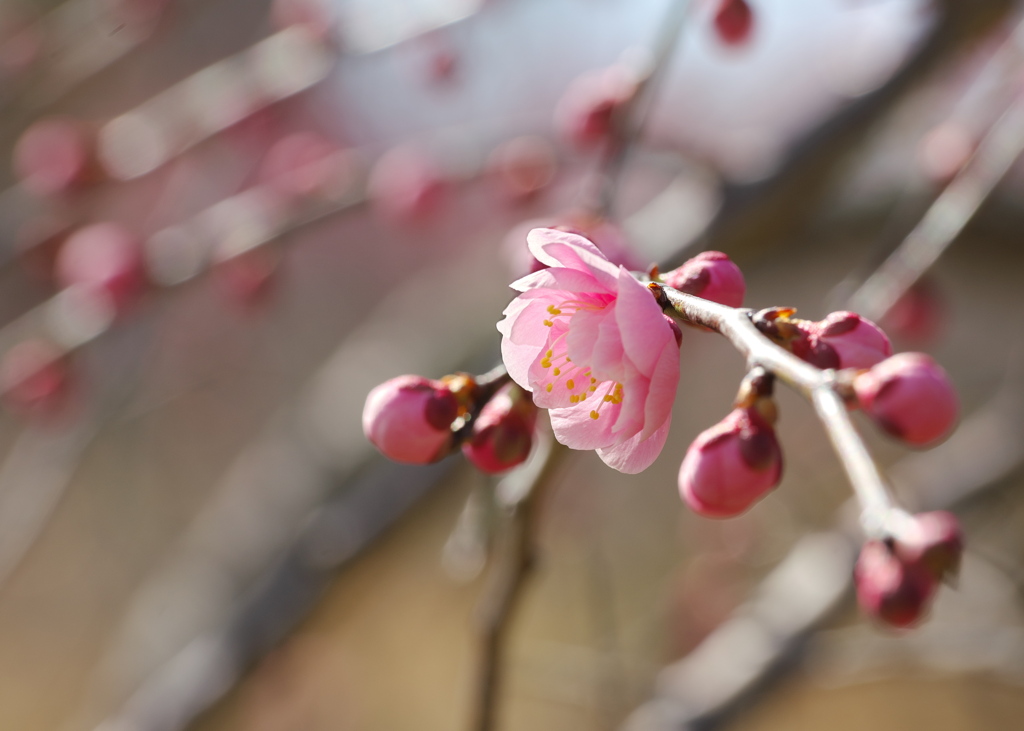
889 589
586 113
910 396
106 259
34 380
731 465
933 542
409 419
502 433
734 21
712 276
842 340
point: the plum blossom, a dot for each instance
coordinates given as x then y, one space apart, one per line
592 345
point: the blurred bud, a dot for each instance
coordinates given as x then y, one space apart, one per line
734 21
304 165
910 396
54 156
841 340
407 185
711 275
889 589
103 258
34 380
248 279
409 419
587 112
731 465
944 150
934 542
523 166
502 434
918 316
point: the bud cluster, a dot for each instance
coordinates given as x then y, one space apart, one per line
417 420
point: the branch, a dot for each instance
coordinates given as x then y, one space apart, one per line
880 515
521 495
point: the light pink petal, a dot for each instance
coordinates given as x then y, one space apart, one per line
575 428
563 249
523 332
636 454
584 330
556 380
558 278
643 327
662 392
634 399
608 358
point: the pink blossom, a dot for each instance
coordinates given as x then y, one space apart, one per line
586 113
503 431
911 397
731 465
889 589
934 542
593 346
106 259
409 419
711 275
842 340
734 21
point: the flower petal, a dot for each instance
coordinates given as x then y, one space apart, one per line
662 392
636 454
524 334
559 278
571 251
576 428
641 323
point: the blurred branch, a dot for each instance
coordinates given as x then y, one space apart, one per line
521 495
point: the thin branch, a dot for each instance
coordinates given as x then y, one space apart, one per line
946 218
880 515
522 495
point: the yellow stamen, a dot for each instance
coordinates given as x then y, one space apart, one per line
548 323
570 384
557 372
548 387
594 415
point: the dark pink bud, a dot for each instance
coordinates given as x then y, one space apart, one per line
54 156
34 380
910 396
889 589
587 111
842 340
409 419
711 275
105 259
503 432
734 21
731 465
406 184
934 543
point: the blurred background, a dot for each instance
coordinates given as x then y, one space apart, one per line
222 222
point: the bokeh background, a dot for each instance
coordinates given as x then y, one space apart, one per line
286 203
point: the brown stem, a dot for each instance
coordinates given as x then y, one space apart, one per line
522 497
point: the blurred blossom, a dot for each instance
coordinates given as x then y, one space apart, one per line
54 155
523 166
106 259
407 185
305 164
34 380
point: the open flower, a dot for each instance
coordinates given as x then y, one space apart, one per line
593 346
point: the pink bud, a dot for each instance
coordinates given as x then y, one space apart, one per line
405 184
503 431
934 542
587 111
734 21
53 156
409 419
889 589
919 315
910 396
248 279
731 465
842 340
711 275
34 380
304 164
104 258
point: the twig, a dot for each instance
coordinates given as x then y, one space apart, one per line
947 216
631 118
880 516
522 496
